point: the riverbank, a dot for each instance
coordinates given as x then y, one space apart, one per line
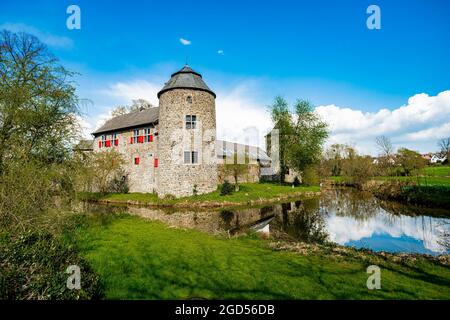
248 194
433 194
142 259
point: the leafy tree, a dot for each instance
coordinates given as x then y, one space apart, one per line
106 171
334 158
410 160
310 133
302 134
282 120
38 105
359 169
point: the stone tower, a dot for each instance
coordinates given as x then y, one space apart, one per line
186 136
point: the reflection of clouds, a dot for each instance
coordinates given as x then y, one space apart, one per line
343 229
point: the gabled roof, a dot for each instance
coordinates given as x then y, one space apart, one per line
186 78
130 120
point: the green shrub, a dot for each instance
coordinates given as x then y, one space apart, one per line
310 177
33 266
226 188
195 190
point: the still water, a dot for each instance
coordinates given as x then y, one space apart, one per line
341 215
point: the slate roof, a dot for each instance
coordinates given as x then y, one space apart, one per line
130 120
186 78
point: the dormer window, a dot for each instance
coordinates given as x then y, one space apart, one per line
191 121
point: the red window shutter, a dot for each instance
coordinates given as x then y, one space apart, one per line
140 139
131 140
156 163
151 138
99 144
116 142
108 143
136 160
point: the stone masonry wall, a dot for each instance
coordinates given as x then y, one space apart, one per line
174 177
252 175
142 176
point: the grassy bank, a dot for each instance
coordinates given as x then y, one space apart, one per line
431 188
249 193
141 259
433 196
429 176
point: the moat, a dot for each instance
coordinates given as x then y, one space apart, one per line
341 215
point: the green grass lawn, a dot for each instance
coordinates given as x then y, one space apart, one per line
142 259
425 180
440 171
247 192
432 176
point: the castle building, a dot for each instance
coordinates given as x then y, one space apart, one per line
172 149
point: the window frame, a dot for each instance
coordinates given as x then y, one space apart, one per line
113 139
190 121
147 135
103 140
135 136
191 155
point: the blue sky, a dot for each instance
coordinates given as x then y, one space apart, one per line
317 50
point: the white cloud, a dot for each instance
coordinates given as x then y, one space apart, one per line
220 52
344 229
424 118
46 37
242 115
124 92
185 42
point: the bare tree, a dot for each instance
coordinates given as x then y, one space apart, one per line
384 144
444 144
386 149
137 105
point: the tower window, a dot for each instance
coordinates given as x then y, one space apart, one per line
190 157
189 99
191 121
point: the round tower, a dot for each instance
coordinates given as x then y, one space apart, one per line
186 136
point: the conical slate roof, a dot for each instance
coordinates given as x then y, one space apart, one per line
186 78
